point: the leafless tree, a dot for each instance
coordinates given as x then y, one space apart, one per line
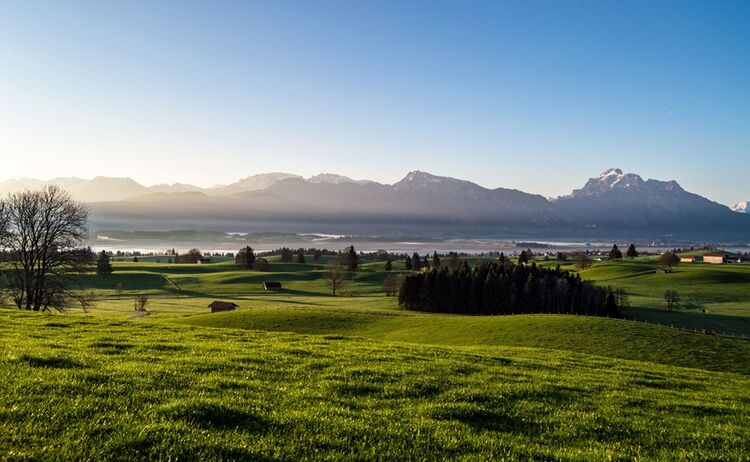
119 289
141 301
43 240
672 298
622 299
583 262
335 276
391 287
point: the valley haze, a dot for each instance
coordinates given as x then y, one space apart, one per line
611 205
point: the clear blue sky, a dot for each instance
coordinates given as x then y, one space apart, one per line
532 95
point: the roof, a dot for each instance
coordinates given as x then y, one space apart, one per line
220 305
273 284
715 255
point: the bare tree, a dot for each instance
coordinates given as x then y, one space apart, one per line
140 303
583 262
119 289
622 299
43 238
391 285
335 276
672 298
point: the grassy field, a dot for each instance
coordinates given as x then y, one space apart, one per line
91 388
300 374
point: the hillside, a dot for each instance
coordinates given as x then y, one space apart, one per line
595 336
97 389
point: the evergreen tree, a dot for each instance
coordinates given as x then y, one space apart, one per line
286 254
416 262
523 258
245 257
300 256
316 255
351 259
491 288
615 253
103 265
135 259
435 260
407 264
632 253
388 264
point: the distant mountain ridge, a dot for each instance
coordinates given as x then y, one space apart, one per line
610 203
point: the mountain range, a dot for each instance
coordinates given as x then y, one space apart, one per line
612 204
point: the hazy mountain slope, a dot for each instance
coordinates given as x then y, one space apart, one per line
95 190
419 200
251 183
175 188
611 204
335 179
616 200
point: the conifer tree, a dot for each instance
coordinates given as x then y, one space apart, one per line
435 260
615 253
416 262
300 256
523 257
388 264
351 259
407 264
103 265
632 253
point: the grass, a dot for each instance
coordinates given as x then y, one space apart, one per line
605 337
302 375
92 388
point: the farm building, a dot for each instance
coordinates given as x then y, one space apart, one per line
203 260
687 259
271 286
714 258
217 306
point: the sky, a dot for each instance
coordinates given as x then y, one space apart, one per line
532 95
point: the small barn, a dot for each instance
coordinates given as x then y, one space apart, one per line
714 258
203 260
687 259
218 306
271 285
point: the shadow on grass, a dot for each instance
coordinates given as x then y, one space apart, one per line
213 415
53 362
482 419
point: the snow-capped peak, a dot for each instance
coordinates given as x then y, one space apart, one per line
333 179
741 207
612 172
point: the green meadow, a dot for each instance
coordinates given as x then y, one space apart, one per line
299 374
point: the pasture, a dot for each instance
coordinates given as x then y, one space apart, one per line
92 388
300 374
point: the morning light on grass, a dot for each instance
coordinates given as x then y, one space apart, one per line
374 231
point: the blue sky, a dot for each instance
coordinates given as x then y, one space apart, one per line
531 95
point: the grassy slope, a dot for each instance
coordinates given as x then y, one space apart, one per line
89 388
605 337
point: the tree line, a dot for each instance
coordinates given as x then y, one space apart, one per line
505 288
